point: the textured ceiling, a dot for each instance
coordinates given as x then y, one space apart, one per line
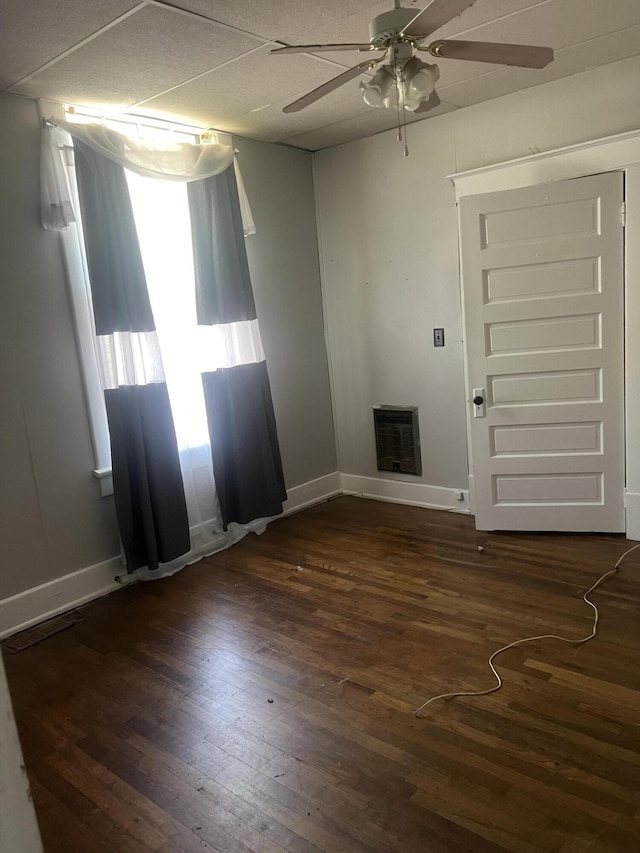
210 65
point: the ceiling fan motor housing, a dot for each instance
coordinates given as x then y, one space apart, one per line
389 25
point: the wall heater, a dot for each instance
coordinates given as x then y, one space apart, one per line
397 439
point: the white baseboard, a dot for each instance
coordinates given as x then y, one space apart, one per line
312 492
59 595
632 508
42 602
401 492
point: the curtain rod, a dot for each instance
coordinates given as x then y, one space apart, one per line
47 122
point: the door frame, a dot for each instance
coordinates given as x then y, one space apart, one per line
619 153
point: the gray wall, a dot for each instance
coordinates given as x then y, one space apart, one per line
53 520
389 254
52 517
283 258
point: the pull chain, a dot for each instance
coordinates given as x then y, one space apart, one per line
400 110
398 98
402 122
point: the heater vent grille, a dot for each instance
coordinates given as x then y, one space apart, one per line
397 439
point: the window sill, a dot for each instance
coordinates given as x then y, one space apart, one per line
103 475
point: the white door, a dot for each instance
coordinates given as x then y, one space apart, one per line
543 302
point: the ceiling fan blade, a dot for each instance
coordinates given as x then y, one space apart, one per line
430 104
323 90
523 55
435 15
318 48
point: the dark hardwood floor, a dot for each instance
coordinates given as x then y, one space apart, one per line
247 704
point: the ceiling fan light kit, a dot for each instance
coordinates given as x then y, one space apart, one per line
399 33
417 79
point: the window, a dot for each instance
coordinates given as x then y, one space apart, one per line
162 219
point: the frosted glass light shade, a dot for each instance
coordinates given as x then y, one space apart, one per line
419 82
376 92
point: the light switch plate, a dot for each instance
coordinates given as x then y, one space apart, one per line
438 337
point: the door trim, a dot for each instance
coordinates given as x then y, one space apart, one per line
609 154
613 153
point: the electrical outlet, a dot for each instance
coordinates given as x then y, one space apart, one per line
438 337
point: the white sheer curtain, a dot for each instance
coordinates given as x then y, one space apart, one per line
110 361
171 161
56 204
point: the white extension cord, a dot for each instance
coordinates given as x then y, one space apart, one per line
594 630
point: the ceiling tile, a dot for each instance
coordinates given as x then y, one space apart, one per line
33 32
452 71
351 25
568 61
356 127
561 22
272 125
251 83
354 24
137 58
482 12
280 19
342 105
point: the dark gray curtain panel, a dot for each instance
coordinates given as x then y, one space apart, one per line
223 285
147 481
242 427
244 443
118 284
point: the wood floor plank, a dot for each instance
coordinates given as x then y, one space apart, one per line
262 700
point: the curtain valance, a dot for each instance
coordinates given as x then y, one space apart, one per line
177 161
180 161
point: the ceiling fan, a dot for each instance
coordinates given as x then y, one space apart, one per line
399 34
